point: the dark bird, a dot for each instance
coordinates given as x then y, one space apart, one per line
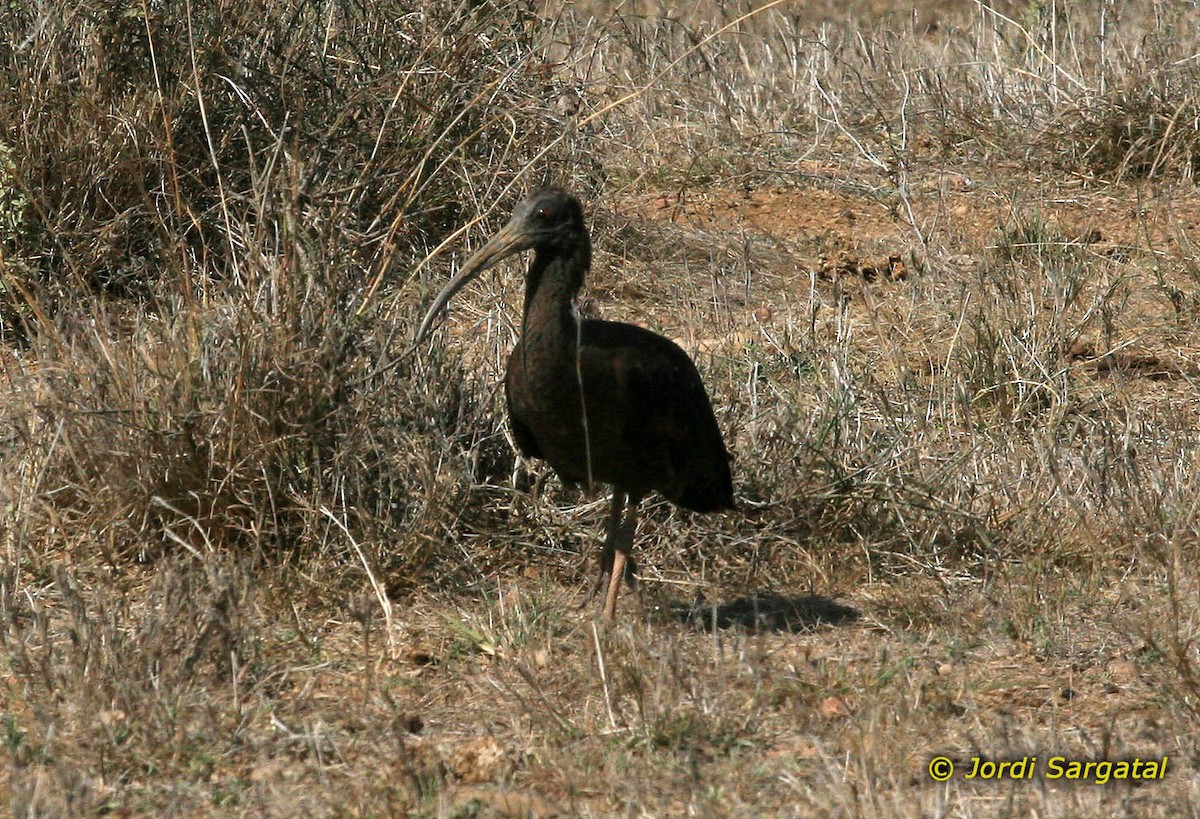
600 401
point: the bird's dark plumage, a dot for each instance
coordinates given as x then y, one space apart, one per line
642 420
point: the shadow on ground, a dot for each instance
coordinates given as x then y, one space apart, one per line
767 612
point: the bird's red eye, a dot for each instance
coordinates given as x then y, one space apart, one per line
547 214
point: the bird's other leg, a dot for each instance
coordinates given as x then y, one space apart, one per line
615 511
622 544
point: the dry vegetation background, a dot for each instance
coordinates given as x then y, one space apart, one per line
936 264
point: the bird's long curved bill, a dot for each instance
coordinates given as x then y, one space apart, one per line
508 241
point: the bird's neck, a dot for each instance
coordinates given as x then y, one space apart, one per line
550 288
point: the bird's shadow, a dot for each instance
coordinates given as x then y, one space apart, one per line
766 612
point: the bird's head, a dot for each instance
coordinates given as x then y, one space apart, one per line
551 221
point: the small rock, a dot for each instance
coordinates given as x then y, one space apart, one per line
834 707
479 760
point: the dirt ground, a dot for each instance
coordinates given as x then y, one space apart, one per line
247 574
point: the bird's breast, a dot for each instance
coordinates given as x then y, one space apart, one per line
545 399
544 392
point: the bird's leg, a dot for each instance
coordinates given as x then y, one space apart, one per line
622 544
615 511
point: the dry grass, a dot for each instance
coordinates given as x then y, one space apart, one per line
938 271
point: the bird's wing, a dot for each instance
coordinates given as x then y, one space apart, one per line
653 371
666 414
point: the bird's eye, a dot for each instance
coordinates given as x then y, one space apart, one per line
546 214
